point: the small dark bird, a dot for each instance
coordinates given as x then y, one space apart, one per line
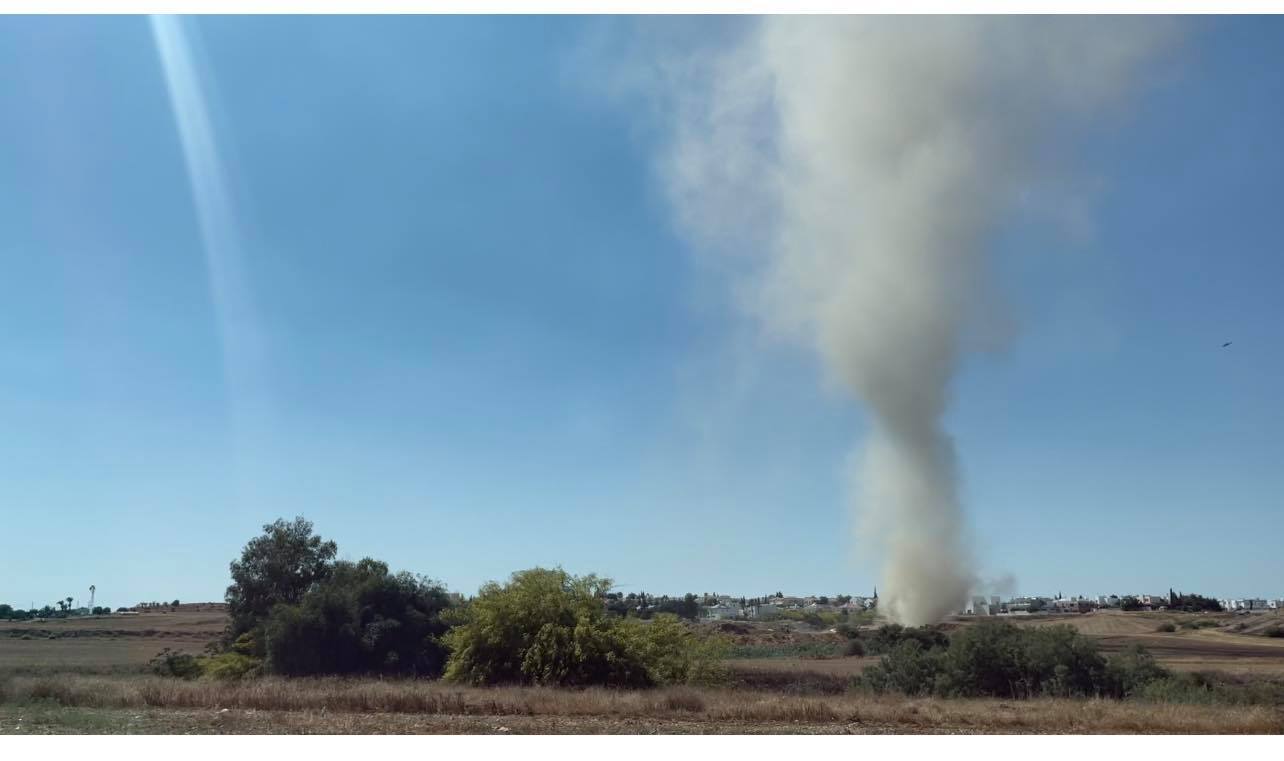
1228 343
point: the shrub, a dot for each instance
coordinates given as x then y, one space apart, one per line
1202 623
548 627
1176 688
1130 671
997 659
853 647
908 668
542 627
1274 631
359 620
172 663
672 653
230 666
888 636
1168 627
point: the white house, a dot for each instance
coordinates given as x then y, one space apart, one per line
722 612
762 612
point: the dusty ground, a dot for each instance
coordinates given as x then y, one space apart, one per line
106 642
1219 648
226 721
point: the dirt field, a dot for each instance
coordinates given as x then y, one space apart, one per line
1210 649
115 642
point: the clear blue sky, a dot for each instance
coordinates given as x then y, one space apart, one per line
489 348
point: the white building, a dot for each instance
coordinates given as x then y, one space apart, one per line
762 612
722 612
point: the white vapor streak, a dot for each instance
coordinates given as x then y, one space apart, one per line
866 163
220 235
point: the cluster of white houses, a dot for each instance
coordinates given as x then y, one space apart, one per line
730 608
1251 603
982 606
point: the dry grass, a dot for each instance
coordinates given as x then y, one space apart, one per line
651 710
94 654
201 623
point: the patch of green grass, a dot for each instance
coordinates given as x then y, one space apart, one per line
788 650
1201 623
48 717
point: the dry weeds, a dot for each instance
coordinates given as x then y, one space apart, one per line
651 710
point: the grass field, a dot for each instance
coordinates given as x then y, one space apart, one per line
105 643
73 703
89 678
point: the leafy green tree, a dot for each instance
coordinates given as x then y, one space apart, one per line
1192 603
6 611
546 626
276 568
688 607
360 619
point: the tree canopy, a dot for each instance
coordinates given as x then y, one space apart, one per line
546 626
360 619
278 567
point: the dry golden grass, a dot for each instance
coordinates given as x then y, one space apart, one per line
81 653
649 710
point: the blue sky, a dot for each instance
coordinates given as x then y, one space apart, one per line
489 348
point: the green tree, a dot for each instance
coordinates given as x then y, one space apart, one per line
276 568
546 626
360 619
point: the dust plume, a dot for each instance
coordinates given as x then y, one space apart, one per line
858 168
